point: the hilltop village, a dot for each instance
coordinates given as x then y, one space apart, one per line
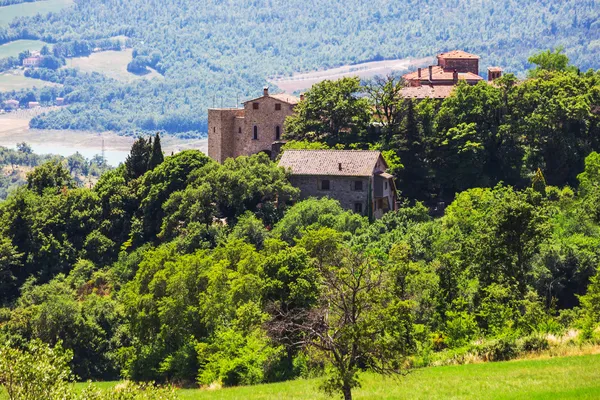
358 179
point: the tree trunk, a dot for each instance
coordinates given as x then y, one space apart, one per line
347 390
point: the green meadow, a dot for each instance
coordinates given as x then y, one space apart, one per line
576 377
565 378
12 49
8 13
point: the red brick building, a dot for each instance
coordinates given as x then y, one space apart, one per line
438 81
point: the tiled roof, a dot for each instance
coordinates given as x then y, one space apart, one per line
495 69
284 97
440 74
427 91
288 98
327 162
458 54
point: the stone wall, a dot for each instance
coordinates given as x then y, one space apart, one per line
266 119
341 188
221 128
461 65
231 131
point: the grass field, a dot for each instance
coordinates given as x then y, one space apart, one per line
8 13
564 378
12 49
112 64
16 81
576 377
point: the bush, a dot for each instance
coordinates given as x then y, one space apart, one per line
36 372
501 349
532 343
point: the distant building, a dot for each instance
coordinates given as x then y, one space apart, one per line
33 104
256 128
356 178
438 81
60 101
11 104
32 62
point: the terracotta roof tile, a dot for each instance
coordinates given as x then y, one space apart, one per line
458 54
427 91
327 162
495 69
440 74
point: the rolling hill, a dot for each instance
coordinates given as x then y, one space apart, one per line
220 50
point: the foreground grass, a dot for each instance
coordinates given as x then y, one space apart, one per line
8 13
564 378
576 377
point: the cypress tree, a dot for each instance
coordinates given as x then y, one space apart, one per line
156 156
136 163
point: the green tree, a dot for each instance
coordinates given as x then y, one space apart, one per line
549 60
50 175
136 163
331 112
156 156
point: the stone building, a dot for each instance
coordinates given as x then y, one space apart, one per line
234 132
438 81
356 178
32 62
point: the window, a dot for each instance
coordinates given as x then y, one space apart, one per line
325 184
277 133
358 186
255 106
358 208
277 106
239 130
385 185
255 136
214 129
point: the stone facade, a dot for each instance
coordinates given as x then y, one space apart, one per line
459 64
352 195
234 132
356 179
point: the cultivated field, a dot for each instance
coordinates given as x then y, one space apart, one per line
8 13
12 49
303 81
14 80
112 64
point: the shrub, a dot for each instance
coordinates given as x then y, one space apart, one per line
532 343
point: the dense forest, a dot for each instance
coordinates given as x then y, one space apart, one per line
214 53
178 269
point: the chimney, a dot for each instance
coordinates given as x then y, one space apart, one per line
266 91
340 166
301 96
430 73
455 76
419 72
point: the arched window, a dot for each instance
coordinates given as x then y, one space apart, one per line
277 133
255 137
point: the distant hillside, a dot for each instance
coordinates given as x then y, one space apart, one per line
213 51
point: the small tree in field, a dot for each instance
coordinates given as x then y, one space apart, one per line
37 372
356 324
